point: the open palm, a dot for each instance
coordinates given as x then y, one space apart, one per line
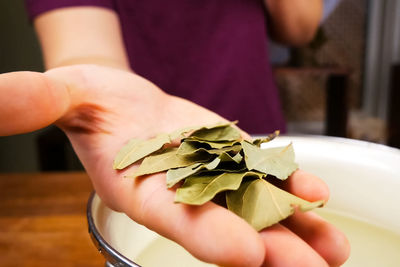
101 108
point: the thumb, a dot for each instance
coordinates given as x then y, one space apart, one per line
30 101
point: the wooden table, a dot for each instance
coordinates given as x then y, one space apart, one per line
43 220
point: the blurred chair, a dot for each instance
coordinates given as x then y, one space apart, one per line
394 108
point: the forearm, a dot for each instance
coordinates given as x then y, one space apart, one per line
294 22
81 35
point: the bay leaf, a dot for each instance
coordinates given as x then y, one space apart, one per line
167 159
219 133
124 151
225 157
237 158
234 199
136 150
176 175
189 147
180 133
198 189
210 144
277 161
262 204
266 139
221 169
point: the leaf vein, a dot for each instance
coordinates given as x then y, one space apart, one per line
273 198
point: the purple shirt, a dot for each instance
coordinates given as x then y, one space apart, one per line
212 52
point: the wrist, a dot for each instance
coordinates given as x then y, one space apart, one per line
94 60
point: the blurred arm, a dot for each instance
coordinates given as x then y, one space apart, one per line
80 35
294 22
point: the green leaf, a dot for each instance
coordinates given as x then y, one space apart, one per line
234 199
138 149
198 189
223 132
237 158
179 134
166 159
176 175
124 152
278 161
190 147
225 157
262 204
220 169
210 144
270 137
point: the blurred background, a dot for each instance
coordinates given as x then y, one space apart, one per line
344 83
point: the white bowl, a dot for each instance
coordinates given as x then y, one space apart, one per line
364 180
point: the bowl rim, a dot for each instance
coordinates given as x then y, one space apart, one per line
342 140
110 254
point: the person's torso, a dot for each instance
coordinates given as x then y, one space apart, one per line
212 52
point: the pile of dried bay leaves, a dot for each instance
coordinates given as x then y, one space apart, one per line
214 159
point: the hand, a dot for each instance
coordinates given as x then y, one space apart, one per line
101 108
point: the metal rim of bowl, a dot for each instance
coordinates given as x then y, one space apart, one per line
112 256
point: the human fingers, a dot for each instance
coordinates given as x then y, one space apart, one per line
306 186
209 232
322 236
283 248
30 101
